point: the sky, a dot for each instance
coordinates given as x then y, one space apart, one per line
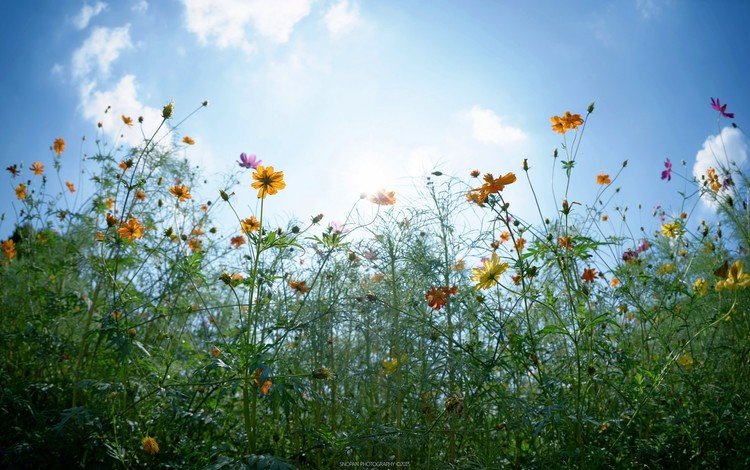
347 96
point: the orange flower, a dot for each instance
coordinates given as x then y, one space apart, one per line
198 231
195 245
250 225
99 236
9 249
384 198
266 387
111 220
615 282
299 287
37 168
181 192
491 185
215 352
505 236
21 191
474 173
566 122
71 186
140 195
603 179
58 146
589 274
268 181
237 241
109 203
520 244
131 229
150 445
565 242
437 297
188 140
125 164
127 120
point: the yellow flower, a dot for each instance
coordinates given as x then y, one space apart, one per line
215 352
459 266
735 278
181 192
37 168
268 181
615 282
58 146
384 198
109 203
603 179
195 245
665 269
686 361
71 186
131 229
489 274
150 445
9 249
671 229
21 191
250 225
700 286
140 195
390 365
188 140
567 121
713 180
127 120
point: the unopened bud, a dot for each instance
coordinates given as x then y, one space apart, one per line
166 112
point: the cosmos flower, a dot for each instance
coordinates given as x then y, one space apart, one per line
250 225
266 387
489 274
667 173
721 108
437 297
150 446
188 140
589 274
268 181
250 162
603 179
13 170
566 122
671 229
37 168
384 198
9 249
131 229
71 187
58 146
299 287
181 192
735 278
127 120
237 241
21 191
491 185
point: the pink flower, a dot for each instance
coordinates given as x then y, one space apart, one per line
337 228
721 108
667 174
645 245
249 162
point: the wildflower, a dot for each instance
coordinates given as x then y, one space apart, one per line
459 266
266 387
520 244
671 230
615 283
566 122
665 269
195 245
250 225
99 236
299 287
181 192
735 278
215 352
140 195
667 173
686 361
474 173
605 217
109 203
250 162
454 404
116 315
237 241
476 197
127 120
9 249
13 170
645 245
323 373
188 140
37 168
71 186
489 274
131 229
125 164
721 108
58 146
437 297
700 286
204 207
384 198
21 191
167 111
712 179
268 181
603 179
565 242
150 445
504 236
589 274
337 228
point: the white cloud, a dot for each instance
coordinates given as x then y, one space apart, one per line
225 22
82 19
123 99
57 69
140 7
101 48
488 127
650 8
725 150
341 18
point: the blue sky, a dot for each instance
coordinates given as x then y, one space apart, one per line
348 96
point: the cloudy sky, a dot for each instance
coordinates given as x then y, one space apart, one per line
346 96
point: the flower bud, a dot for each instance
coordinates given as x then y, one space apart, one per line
166 112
